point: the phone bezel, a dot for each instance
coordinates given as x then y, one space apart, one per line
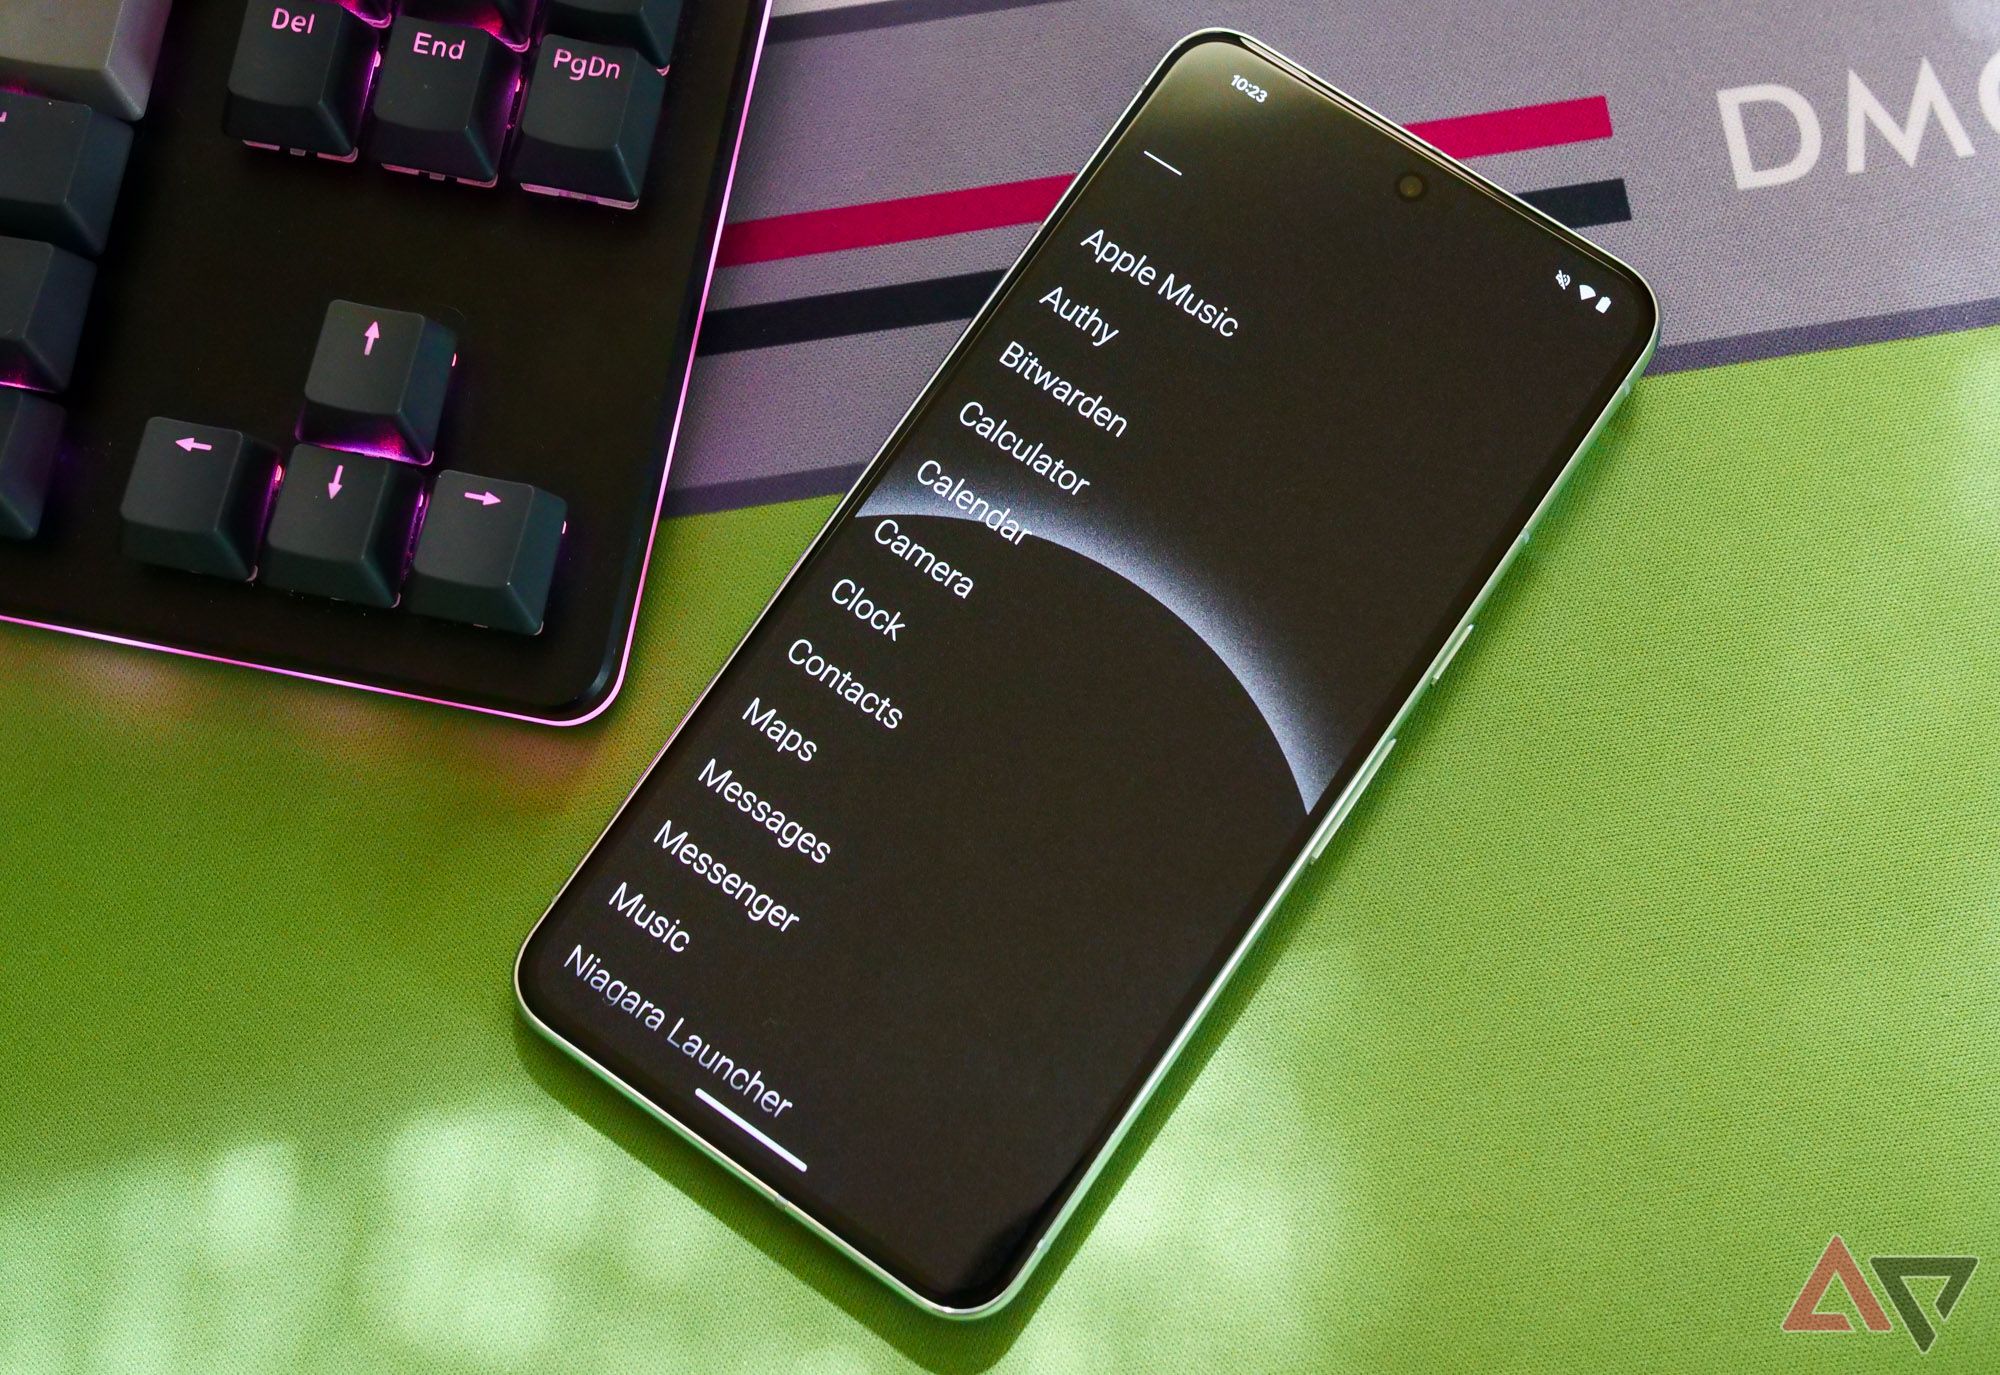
1338 799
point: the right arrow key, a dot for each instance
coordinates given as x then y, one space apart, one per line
487 553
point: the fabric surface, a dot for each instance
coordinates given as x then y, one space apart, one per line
1663 950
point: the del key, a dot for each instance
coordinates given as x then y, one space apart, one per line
300 77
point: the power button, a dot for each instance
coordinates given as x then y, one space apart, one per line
1351 796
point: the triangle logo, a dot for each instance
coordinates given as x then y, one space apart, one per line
1835 1262
1896 1272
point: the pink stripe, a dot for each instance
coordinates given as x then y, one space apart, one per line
896 221
1029 202
1516 131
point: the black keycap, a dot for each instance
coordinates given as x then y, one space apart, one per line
30 431
587 127
60 166
487 553
511 21
44 293
646 25
341 527
300 77
441 101
378 382
196 499
101 52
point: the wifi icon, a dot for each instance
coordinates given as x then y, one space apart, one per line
1585 290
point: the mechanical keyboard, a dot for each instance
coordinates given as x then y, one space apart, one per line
349 340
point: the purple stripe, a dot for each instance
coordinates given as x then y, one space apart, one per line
760 491
886 14
1835 334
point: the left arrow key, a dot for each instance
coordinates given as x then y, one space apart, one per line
197 498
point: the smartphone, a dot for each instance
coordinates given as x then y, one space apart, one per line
922 899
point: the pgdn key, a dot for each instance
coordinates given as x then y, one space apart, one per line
587 128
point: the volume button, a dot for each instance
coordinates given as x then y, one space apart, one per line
1457 642
1351 796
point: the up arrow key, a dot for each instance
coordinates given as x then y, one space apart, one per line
385 398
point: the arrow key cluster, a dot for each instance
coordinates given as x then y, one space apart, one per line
332 524
347 516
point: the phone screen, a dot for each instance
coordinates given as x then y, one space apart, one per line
929 884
